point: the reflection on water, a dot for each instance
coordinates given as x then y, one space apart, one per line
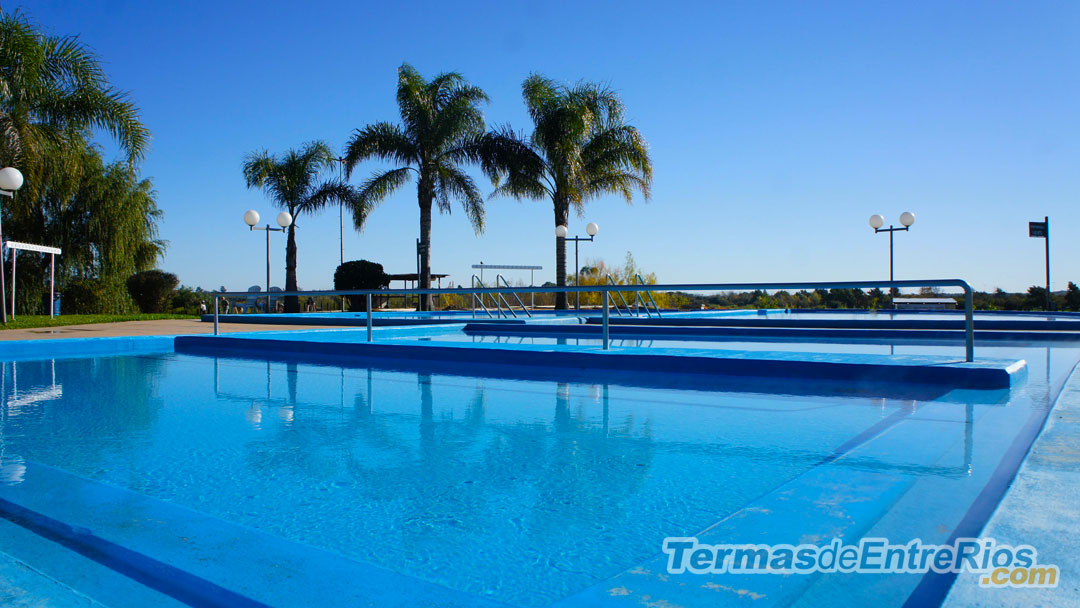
524 490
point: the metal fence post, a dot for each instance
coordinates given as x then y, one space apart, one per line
604 296
969 321
368 296
216 315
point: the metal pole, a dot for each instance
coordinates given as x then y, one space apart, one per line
268 268
52 284
890 254
1047 239
341 212
368 296
3 290
14 256
969 322
577 277
604 297
215 315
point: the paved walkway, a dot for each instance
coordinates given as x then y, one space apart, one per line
144 328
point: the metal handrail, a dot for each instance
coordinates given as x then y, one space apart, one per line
641 281
969 318
611 281
476 280
498 278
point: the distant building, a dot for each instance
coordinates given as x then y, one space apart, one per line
924 303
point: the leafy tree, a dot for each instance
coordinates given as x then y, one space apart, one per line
53 96
441 120
187 300
1036 298
151 289
1072 297
360 274
580 148
292 182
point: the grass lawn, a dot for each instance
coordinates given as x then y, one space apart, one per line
32 321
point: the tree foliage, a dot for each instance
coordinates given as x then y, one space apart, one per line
152 289
293 181
360 274
441 123
102 214
581 147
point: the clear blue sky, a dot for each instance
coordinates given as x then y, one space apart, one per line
776 129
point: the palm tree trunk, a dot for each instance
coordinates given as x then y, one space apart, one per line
427 197
292 303
562 213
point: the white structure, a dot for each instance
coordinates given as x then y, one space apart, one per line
924 303
10 181
53 252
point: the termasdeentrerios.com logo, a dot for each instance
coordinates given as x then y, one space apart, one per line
998 565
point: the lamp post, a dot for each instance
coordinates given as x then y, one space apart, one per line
284 220
562 231
11 179
907 218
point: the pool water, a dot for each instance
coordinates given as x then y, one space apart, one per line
525 491
875 346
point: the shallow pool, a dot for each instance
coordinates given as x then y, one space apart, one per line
524 491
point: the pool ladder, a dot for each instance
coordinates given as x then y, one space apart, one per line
639 302
500 301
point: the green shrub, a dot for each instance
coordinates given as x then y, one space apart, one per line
186 301
151 289
360 274
96 296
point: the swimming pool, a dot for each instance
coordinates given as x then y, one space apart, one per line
513 488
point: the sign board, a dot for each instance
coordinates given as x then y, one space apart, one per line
1037 230
29 247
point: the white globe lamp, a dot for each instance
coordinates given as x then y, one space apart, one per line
11 179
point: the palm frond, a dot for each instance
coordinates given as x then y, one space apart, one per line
454 183
380 140
375 189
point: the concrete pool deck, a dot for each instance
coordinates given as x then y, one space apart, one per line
1040 510
168 327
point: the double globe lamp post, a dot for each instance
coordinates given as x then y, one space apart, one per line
284 220
877 222
562 231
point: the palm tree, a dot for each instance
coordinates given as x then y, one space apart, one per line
291 181
441 123
54 95
53 88
580 148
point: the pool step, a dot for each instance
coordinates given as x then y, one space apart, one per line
194 558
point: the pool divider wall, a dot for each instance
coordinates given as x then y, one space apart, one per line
690 331
985 374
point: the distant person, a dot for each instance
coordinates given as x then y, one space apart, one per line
202 307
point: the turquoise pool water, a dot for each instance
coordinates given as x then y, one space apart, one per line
524 491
